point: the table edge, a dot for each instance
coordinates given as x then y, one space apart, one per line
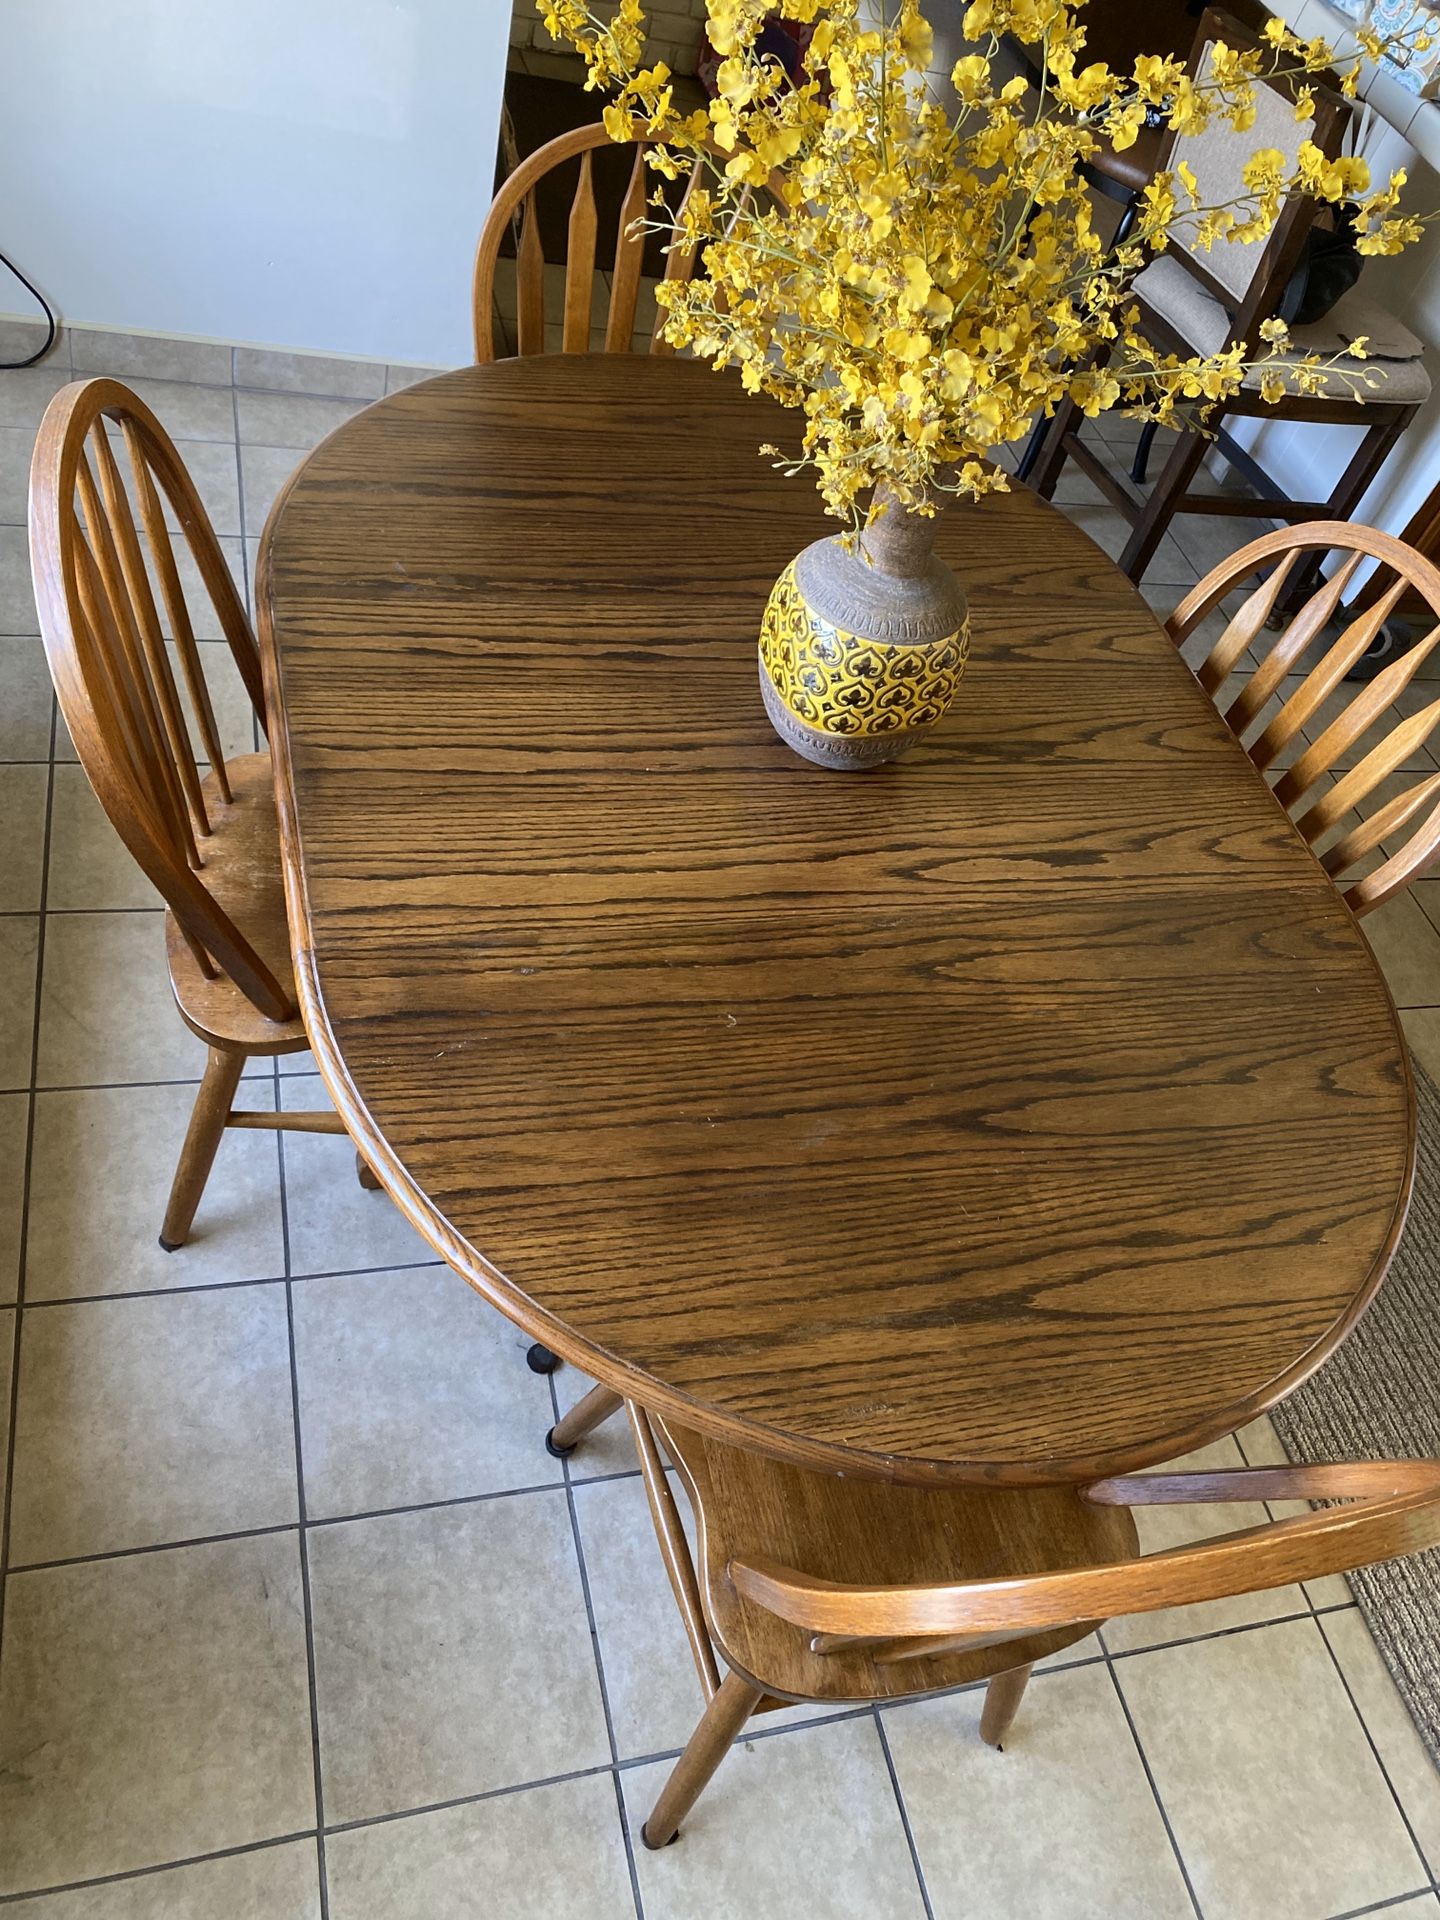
633 1382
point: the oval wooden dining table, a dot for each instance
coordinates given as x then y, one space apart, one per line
1027 1110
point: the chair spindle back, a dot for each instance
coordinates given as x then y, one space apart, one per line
109 591
1321 787
517 195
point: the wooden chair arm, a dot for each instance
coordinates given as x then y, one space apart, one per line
1383 1522
1335 1480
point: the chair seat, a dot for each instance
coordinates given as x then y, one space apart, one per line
749 1507
1394 352
242 872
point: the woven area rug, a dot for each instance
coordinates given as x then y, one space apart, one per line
1378 1397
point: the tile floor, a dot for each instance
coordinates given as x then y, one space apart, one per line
299 1617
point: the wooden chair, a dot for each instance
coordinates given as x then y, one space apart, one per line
1192 301
1364 742
203 829
517 195
815 1587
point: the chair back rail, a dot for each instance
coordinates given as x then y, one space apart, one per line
1320 788
1395 1510
516 196
97 560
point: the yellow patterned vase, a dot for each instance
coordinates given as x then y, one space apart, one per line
862 651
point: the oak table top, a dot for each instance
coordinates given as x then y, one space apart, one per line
1027 1110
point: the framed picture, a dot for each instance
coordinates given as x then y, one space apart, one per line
1419 71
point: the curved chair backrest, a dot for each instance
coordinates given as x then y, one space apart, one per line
1305 788
1395 1510
518 193
96 574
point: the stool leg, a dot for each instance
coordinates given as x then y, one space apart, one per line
694 1770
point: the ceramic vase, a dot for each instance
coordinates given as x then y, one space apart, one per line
862 649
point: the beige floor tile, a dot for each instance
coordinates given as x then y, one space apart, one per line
25 699
650 1681
187 410
1422 1030
14 1125
551 1853
316 373
19 939
128 1742
802 1824
290 419
1403 1755
1274 1796
272 1883
452 1654
106 1010
102 1167
149 356
8 1318
1207 540
22 835
337 1226
1062 1824
1408 949
90 865
1427 894
413 1389
610 1448
191 1392
1163 1527
265 471
25 392
24 334
1109 529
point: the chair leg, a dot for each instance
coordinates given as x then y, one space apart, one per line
693 1771
587 1414
1155 516
197 1156
364 1174
1002 1703
1053 455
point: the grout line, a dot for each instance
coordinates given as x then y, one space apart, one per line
904 1815
7 1477
620 1811
161 1866
227 1286
1384 1906
1229 1633
1154 1784
151 1547
303 1538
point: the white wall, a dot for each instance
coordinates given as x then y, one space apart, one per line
295 173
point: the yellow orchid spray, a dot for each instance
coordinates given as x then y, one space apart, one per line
918 277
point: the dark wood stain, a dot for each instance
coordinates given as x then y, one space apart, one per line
1027 1110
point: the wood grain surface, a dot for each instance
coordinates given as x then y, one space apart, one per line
1027 1110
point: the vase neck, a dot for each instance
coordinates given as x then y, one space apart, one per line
899 542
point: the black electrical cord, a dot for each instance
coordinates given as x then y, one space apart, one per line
10 366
